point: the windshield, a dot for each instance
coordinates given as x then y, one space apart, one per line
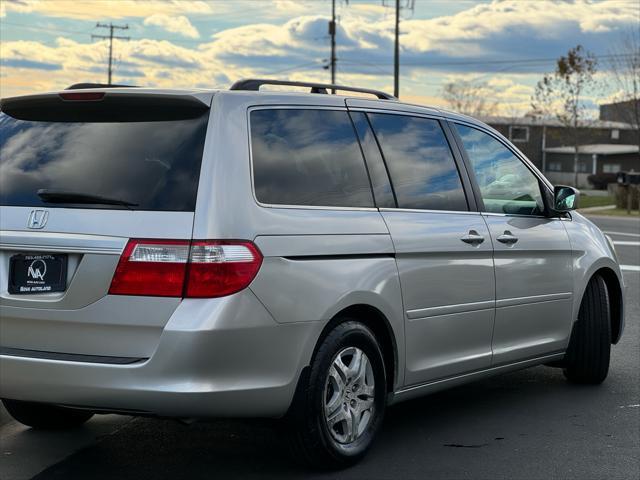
152 165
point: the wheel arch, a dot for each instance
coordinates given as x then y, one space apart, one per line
379 324
616 302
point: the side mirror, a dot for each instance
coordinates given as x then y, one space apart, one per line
565 198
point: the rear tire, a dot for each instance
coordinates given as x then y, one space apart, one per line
589 351
332 423
44 416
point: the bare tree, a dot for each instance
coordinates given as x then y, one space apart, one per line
470 98
625 70
562 94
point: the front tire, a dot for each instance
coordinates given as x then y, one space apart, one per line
589 351
44 416
340 402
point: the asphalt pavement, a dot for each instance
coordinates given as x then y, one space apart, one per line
529 424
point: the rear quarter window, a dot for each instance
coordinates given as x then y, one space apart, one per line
308 158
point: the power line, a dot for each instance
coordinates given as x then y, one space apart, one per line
362 62
86 32
511 61
482 62
55 30
295 67
414 63
111 36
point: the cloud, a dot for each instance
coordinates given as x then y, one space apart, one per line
152 53
289 6
24 63
131 73
180 25
491 27
92 9
148 62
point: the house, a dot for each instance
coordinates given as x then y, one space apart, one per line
593 159
605 146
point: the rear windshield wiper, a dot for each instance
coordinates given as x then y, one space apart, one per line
64 196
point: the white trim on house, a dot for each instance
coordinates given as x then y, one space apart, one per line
596 149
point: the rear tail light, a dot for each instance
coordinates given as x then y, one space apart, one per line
177 268
217 269
151 267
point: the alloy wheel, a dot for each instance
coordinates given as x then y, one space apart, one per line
349 392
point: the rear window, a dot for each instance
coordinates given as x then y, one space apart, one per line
308 157
150 165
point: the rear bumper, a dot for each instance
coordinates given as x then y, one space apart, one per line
217 357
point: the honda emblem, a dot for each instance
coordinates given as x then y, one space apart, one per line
38 219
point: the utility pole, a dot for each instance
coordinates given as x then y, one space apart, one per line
332 33
111 36
396 55
409 4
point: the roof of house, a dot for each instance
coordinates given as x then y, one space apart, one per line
596 148
620 103
552 122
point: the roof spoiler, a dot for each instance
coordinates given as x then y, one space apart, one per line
254 84
78 86
103 107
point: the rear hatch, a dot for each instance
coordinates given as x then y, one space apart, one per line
81 173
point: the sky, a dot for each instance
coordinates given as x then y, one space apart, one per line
508 44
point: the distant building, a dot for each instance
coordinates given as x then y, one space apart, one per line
592 159
605 146
627 112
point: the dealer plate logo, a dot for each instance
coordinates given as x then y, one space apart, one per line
37 270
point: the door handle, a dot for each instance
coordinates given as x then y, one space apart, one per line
473 238
508 238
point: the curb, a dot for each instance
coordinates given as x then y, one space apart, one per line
597 209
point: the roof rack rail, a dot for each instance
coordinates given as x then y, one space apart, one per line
77 86
254 84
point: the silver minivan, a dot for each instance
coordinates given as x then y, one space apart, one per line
305 256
